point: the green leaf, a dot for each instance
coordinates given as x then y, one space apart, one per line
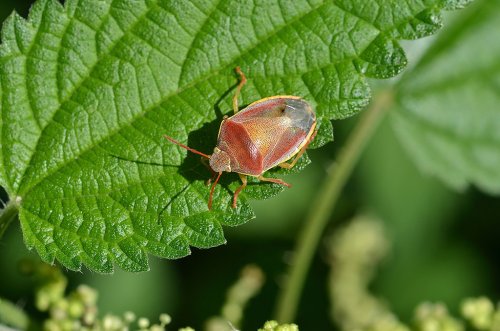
89 88
449 117
456 4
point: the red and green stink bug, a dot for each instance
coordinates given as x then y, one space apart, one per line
266 134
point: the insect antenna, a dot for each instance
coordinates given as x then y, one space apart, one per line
212 191
186 147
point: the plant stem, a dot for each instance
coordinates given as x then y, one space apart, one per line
321 209
7 215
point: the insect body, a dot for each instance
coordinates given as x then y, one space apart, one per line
265 134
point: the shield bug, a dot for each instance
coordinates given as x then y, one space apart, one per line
265 134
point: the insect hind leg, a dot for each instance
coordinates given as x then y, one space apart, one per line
274 180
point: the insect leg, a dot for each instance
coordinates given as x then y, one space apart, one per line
274 180
192 150
243 81
211 196
239 189
299 154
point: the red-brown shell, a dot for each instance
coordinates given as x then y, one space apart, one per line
266 133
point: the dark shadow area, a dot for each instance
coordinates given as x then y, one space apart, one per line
172 199
204 140
4 198
21 7
476 226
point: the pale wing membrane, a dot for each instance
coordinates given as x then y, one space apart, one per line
286 146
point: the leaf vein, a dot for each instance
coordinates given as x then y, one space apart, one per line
70 95
195 39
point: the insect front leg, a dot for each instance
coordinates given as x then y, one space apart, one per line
243 81
239 189
299 154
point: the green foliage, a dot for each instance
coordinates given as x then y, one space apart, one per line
275 326
10 314
356 251
78 309
448 116
232 312
88 89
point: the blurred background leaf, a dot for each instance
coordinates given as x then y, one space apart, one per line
448 117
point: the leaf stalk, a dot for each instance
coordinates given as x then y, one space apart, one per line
327 197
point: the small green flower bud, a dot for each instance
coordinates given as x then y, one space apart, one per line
75 308
143 323
165 319
129 317
156 327
479 312
88 295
